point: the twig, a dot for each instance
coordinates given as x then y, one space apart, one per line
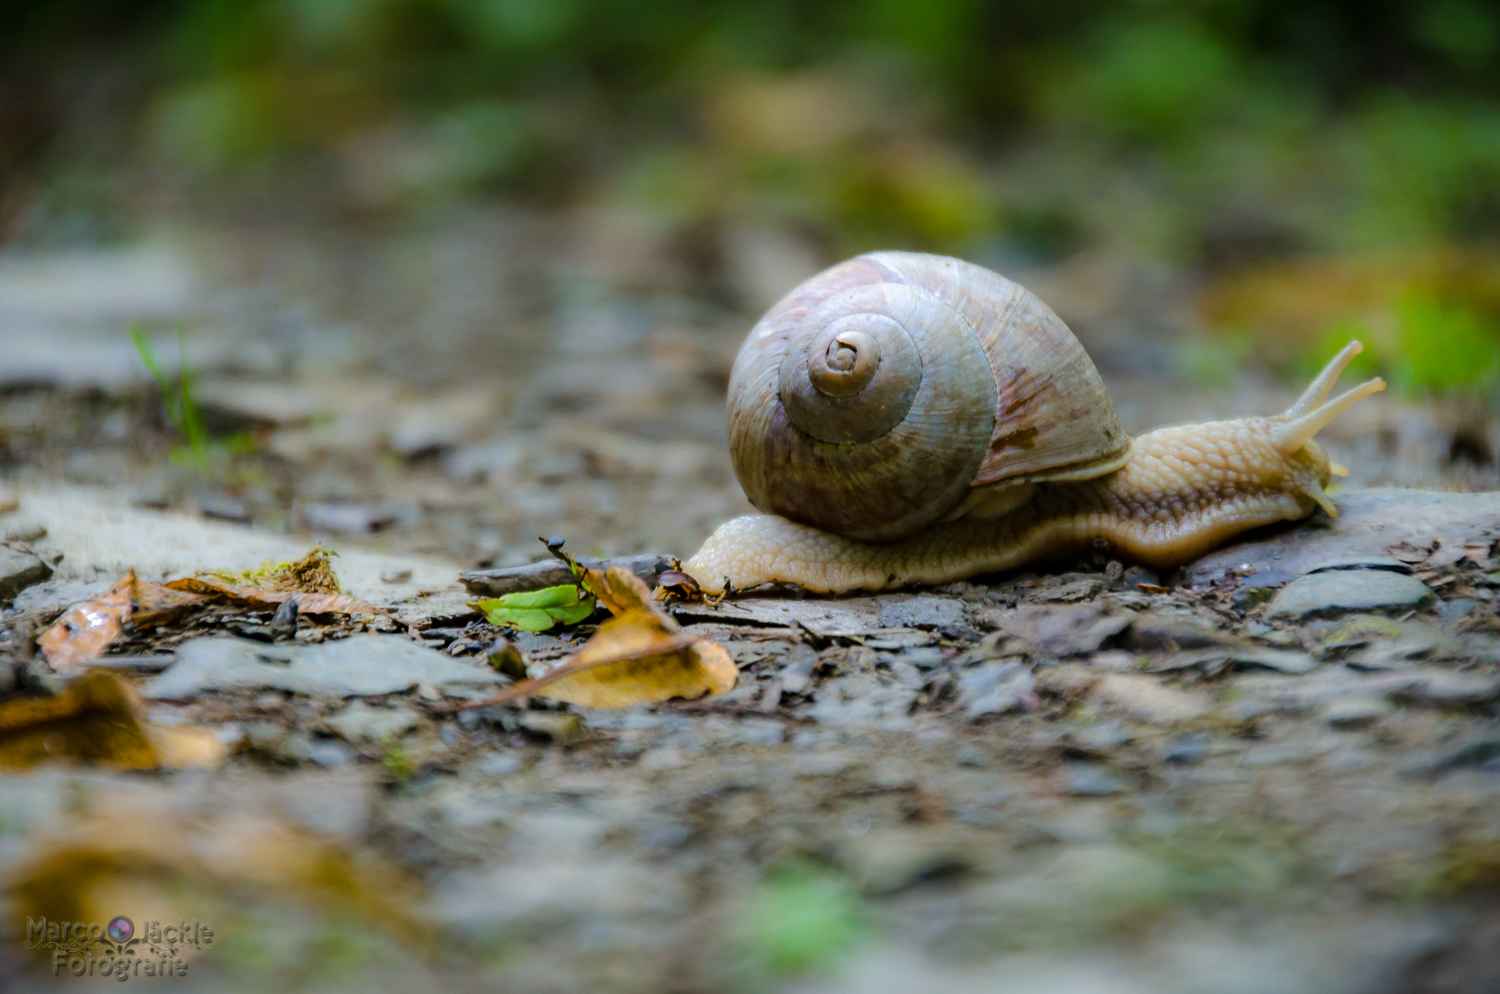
551 572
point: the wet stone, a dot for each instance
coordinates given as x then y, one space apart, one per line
971 755
328 752
759 731
1340 591
796 672
1249 596
51 598
347 519
1147 699
1103 736
861 699
555 726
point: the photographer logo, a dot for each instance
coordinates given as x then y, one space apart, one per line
117 949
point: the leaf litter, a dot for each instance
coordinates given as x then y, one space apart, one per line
132 605
639 656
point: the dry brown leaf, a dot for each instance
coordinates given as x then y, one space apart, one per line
86 630
260 599
97 719
640 656
313 573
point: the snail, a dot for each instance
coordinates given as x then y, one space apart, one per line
906 419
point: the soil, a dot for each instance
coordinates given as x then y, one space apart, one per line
1088 777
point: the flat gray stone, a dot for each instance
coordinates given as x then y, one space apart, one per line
361 665
361 723
1369 523
19 570
924 612
1341 591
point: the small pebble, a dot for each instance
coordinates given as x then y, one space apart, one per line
971 755
1356 712
1186 749
1090 780
499 764
329 752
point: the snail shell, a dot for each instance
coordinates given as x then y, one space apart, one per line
878 396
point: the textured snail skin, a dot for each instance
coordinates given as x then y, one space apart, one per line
1184 491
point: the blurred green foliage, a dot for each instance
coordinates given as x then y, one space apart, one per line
1212 132
801 919
1423 345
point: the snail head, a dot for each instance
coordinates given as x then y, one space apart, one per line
1293 431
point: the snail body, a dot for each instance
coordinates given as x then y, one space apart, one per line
912 419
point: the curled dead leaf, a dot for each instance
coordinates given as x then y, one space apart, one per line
86 630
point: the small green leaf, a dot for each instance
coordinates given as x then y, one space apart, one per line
538 610
523 618
563 595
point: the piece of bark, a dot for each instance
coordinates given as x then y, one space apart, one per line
551 572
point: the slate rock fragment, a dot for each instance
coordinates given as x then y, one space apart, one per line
1342 591
361 665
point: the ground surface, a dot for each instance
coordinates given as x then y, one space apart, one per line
1089 778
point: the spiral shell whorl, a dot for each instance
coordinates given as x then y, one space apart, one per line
874 396
874 403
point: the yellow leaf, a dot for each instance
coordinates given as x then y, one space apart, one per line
623 592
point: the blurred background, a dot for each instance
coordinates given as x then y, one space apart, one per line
1311 169
441 276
